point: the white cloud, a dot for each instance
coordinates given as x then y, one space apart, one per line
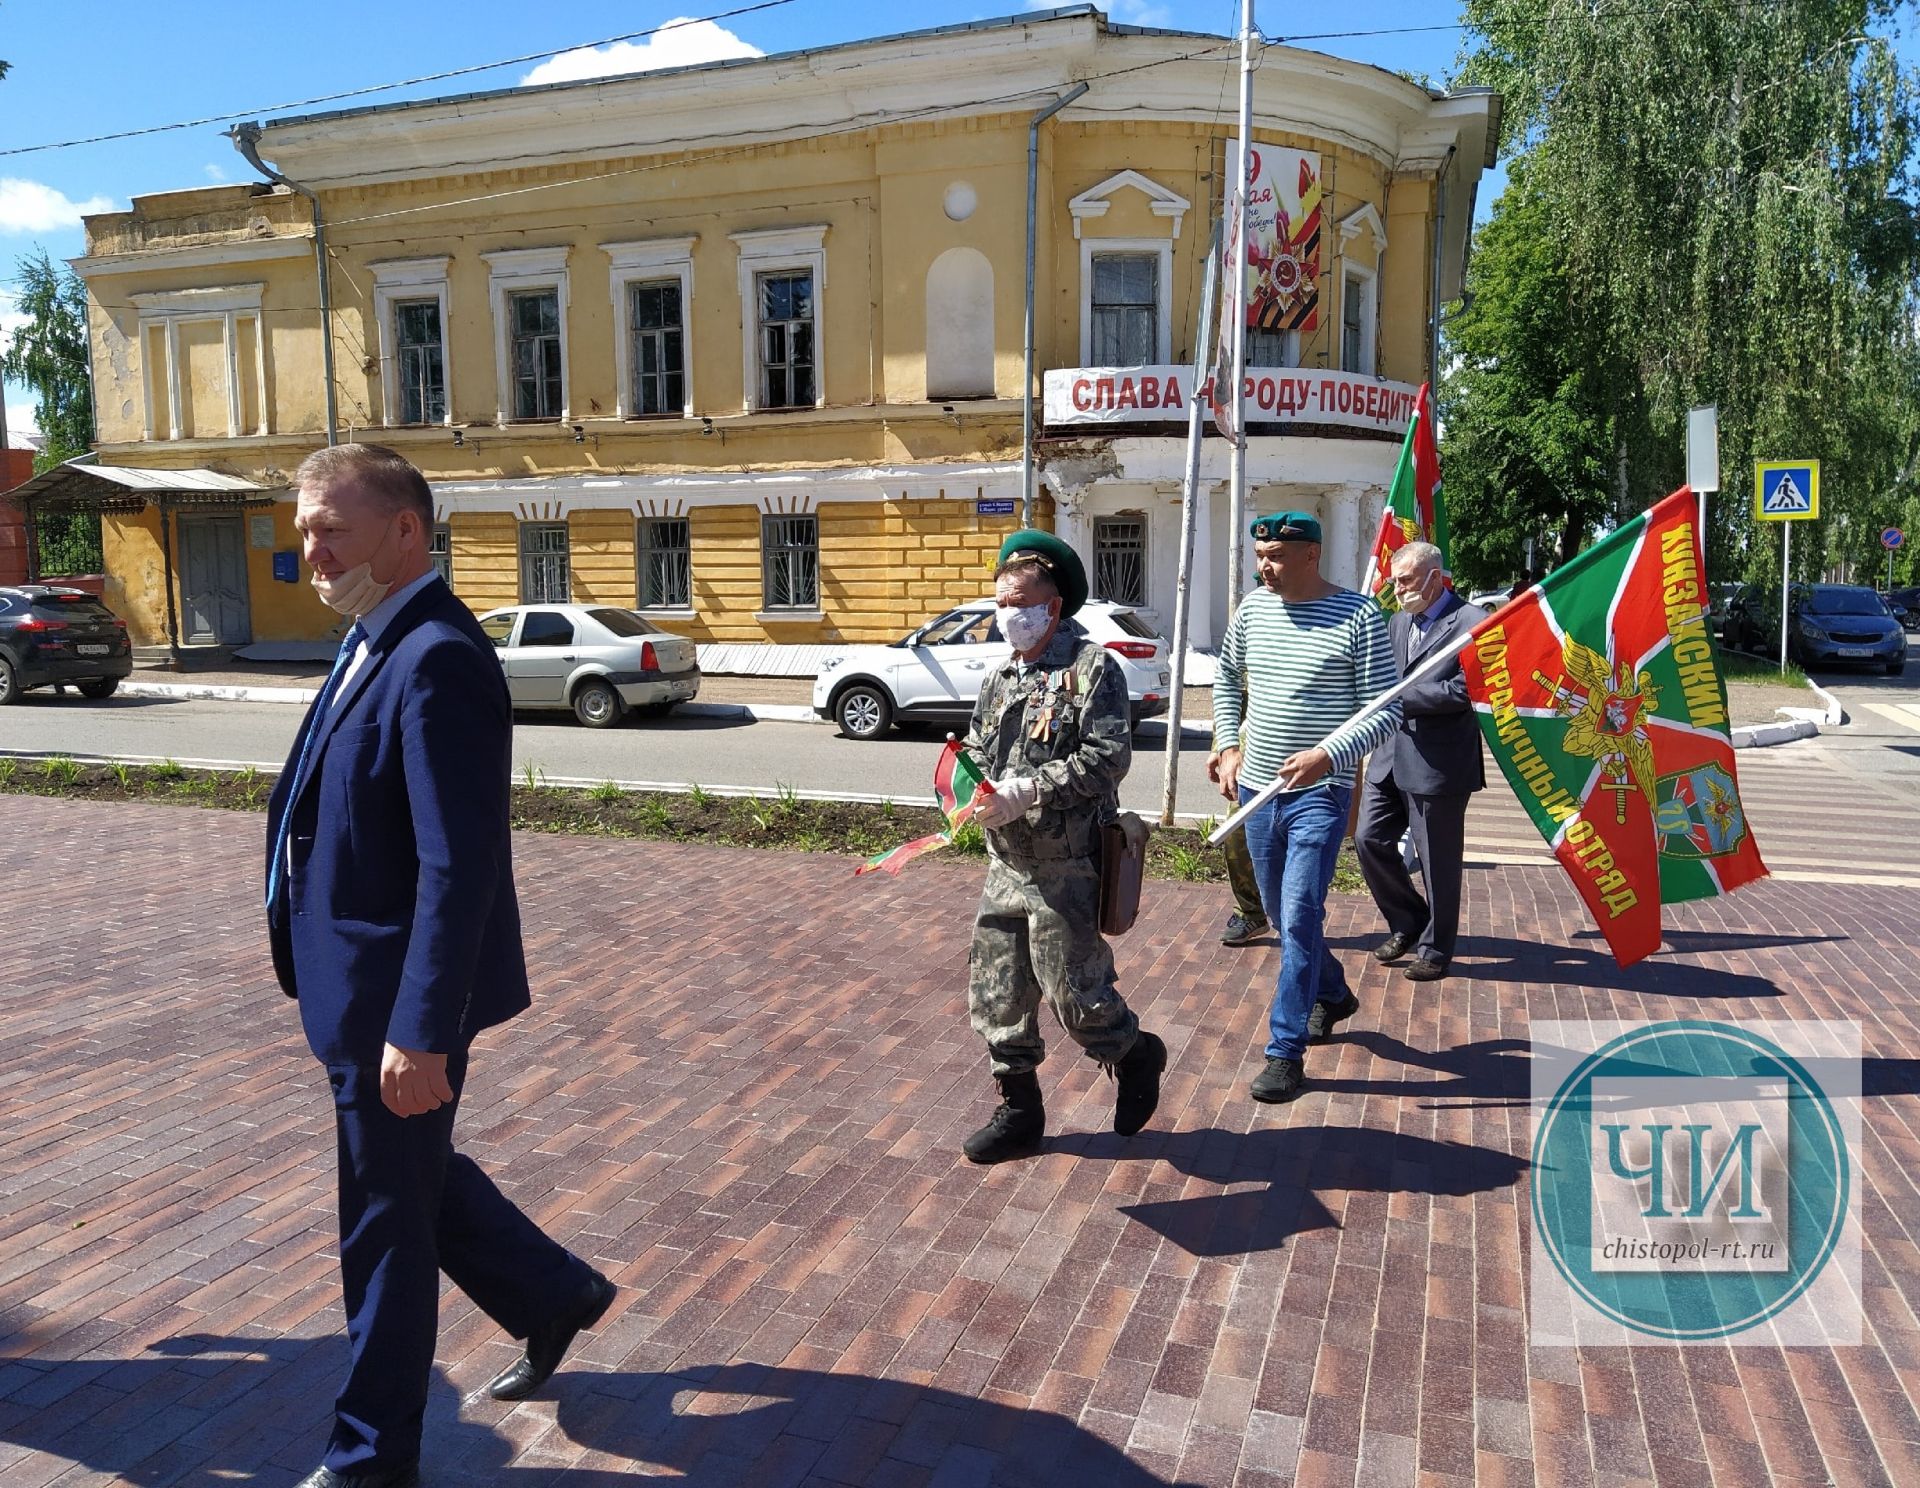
20 423
687 44
32 207
215 174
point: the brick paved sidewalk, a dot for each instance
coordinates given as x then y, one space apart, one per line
741 1091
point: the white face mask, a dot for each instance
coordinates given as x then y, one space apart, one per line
356 591
1024 626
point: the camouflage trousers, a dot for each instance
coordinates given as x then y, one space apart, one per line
1037 933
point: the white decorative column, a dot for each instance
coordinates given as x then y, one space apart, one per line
1342 560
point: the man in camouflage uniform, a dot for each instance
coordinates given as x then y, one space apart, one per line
1052 729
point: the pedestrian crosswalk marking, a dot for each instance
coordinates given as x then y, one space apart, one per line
1904 714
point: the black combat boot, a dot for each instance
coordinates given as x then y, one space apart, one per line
1139 1093
1017 1124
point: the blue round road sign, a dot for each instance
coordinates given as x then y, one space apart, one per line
1891 537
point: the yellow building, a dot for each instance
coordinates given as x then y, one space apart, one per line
742 345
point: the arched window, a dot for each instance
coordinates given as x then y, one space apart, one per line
960 325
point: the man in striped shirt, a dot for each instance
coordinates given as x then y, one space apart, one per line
1300 659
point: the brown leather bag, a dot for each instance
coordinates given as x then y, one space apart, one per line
1123 863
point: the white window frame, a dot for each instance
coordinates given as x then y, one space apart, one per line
1163 293
641 263
394 280
1360 258
640 552
773 251
226 305
512 271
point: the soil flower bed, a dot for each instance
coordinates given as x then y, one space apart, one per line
783 821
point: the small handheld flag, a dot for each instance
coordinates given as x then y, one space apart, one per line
959 786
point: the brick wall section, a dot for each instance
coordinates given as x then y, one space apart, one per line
15 467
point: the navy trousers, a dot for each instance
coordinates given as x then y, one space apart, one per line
410 1208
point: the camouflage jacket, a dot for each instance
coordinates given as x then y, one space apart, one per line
1065 721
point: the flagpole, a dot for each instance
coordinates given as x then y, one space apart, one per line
1428 666
1237 297
1189 502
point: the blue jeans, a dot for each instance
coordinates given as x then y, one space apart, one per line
1294 841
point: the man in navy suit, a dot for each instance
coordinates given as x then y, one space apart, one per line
393 921
1423 775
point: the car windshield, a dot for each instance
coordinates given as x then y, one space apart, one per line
1843 602
624 623
959 628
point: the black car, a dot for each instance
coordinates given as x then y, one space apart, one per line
1830 624
1905 604
50 635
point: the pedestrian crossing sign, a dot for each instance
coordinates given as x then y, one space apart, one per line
1786 490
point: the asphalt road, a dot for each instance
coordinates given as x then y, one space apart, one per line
718 754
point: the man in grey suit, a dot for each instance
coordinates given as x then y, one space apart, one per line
1421 778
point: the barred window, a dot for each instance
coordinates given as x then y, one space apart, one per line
1120 559
666 564
440 550
659 380
786 340
1126 308
790 558
422 369
1272 348
536 354
543 563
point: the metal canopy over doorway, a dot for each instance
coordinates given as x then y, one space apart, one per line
82 486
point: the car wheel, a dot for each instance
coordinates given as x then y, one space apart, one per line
1895 668
863 711
9 684
98 687
596 704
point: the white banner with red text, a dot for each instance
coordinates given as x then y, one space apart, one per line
1274 395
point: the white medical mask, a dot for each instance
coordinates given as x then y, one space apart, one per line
356 591
1024 626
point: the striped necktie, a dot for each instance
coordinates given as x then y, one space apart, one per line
349 647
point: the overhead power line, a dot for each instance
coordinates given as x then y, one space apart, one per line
431 77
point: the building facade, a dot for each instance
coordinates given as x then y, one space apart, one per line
741 346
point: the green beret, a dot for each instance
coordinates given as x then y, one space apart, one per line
1059 560
1286 526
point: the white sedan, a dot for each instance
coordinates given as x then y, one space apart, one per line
935 673
594 659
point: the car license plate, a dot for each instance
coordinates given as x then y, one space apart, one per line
92 650
1855 651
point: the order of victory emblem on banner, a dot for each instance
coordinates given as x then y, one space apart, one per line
1283 238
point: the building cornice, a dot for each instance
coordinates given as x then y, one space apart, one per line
203 255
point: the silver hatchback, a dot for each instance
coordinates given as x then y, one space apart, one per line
594 659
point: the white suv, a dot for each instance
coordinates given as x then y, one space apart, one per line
935 674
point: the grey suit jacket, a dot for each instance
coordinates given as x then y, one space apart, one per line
1436 749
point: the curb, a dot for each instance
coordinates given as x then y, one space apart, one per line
1760 735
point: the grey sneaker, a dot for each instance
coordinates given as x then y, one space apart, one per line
1242 929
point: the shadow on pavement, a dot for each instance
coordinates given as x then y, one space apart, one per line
219 1408
1495 959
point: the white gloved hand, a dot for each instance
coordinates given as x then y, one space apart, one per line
1011 799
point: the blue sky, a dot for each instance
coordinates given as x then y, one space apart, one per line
197 58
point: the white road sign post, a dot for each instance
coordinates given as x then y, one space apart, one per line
1786 491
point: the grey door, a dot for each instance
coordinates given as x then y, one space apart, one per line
213 581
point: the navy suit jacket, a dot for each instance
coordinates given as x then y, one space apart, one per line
398 922
1436 749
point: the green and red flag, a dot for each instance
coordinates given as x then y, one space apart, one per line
1415 510
1599 693
958 785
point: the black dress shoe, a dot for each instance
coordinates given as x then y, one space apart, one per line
1393 947
1425 970
389 1477
547 1346
1139 1079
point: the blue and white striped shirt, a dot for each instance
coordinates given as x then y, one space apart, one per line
1290 674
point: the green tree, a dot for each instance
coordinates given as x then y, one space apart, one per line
1526 441
49 354
1728 190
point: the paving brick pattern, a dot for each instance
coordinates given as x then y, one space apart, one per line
741 1093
